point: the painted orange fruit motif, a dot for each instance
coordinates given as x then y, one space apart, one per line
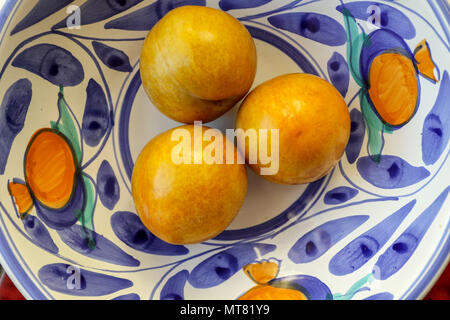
394 88
262 273
50 172
55 184
388 72
391 72
50 168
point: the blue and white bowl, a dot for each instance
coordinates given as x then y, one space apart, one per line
368 230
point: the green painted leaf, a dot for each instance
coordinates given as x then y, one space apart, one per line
66 125
355 42
375 128
355 288
86 217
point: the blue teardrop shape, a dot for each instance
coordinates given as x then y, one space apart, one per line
129 228
144 19
113 58
52 63
39 233
96 117
97 10
313 26
13 111
105 250
107 186
68 279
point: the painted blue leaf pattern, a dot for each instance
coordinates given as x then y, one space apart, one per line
96 117
357 134
381 296
144 19
129 229
39 233
222 266
107 185
42 10
314 26
340 195
359 251
318 241
13 112
130 296
396 256
97 10
174 287
392 172
113 58
227 5
436 128
52 63
339 73
105 250
65 278
390 18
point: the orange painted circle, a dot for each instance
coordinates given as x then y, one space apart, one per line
394 88
50 169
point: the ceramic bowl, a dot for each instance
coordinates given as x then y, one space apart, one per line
376 227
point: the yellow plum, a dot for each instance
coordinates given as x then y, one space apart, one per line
197 63
182 196
313 122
